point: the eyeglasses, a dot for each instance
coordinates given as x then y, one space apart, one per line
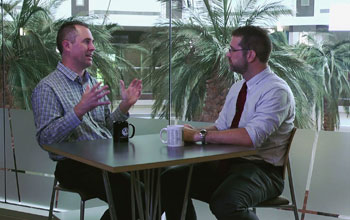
231 49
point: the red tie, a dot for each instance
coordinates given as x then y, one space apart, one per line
239 105
224 165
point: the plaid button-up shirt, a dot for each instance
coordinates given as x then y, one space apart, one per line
53 102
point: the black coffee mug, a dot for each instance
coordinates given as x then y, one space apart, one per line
121 131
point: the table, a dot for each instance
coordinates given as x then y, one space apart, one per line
143 152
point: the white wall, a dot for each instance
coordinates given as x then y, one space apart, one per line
318 18
121 11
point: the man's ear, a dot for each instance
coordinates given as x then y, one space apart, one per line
66 45
251 55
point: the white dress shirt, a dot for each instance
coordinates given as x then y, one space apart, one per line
268 114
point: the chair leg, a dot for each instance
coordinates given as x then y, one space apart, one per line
296 215
56 199
52 199
254 210
82 209
292 194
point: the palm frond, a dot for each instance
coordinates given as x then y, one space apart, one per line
199 48
38 46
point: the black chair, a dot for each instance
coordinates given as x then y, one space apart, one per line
281 202
83 196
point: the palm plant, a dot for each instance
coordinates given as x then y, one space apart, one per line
31 56
23 46
330 59
303 81
200 71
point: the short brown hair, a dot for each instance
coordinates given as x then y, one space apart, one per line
68 31
255 38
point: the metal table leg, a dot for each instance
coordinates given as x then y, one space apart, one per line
148 206
108 189
184 207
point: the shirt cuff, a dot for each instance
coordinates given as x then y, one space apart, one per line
73 119
118 115
252 136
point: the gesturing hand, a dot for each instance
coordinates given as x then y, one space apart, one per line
91 99
189 126
130 95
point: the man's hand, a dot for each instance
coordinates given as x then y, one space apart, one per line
129 95
189 126
91 99
191 134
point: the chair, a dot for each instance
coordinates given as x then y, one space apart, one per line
280 201
83 196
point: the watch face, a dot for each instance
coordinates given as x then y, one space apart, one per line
203 133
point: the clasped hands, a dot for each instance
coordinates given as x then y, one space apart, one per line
191 134
92 97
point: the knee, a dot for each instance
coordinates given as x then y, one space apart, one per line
168 179
225 208
170 183
221 209
174 176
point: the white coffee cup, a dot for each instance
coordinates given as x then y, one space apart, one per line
175 135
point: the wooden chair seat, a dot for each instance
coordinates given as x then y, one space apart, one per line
280 201
277 201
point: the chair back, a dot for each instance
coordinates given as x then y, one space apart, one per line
286 157
280 201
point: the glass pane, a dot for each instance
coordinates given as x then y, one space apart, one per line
127 51
79 3
200 72
124 51
305 3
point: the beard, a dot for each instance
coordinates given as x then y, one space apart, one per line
240 68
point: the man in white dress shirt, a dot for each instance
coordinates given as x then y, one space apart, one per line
258 112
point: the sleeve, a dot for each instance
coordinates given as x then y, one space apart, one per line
53 125
117 115
271 111
111 117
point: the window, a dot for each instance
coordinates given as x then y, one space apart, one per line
305 8
79 3
135 18
305 3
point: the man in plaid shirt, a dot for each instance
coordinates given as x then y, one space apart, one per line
70 105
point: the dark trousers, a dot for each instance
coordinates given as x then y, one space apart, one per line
72 174
245 184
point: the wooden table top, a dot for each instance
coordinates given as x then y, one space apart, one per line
143 152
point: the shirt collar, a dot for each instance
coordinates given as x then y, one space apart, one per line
73 75
258 77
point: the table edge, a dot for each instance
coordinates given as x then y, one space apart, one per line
137 167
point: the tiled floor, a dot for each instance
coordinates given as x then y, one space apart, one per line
18 212
95 213
317 167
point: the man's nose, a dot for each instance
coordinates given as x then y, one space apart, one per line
92 47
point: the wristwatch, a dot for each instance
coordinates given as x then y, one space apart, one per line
203 133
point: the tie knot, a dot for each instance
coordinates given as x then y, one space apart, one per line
244 87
